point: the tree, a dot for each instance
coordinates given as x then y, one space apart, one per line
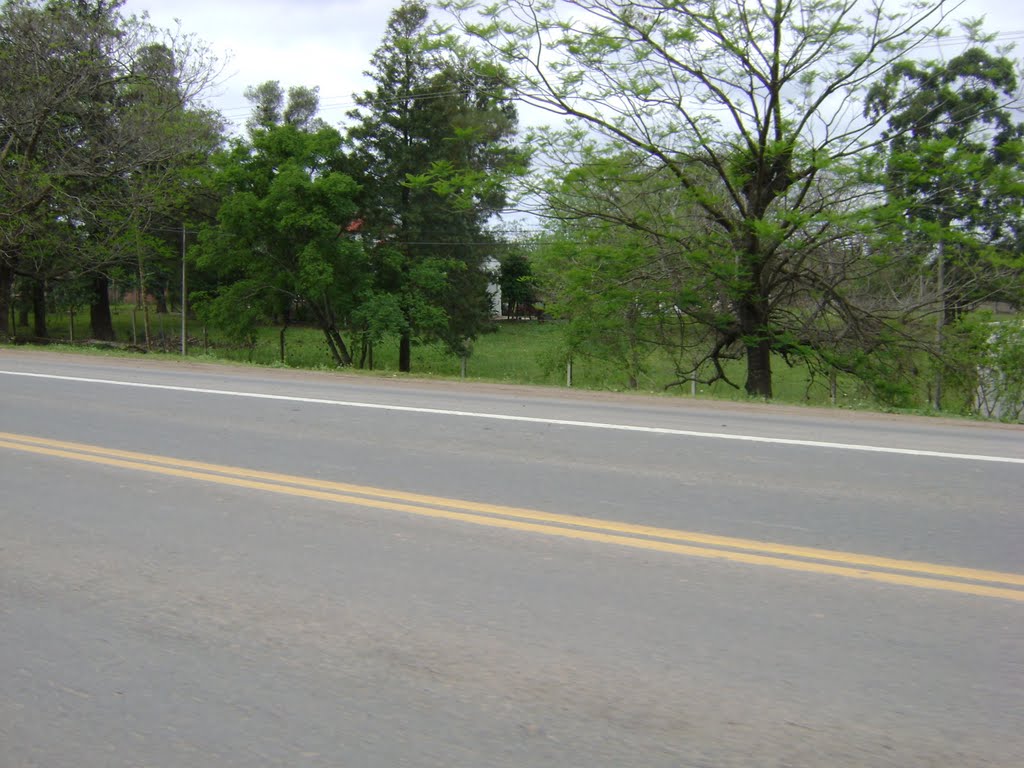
611 307
432 142
42 101
90 104
136 228
627 293
954 174
517 282
281 242
749 110
271 108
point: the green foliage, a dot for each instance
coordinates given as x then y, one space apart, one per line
712 202
99 125
272 107
71 295
519 293
890 379
236 311
954 171
983 360
615 308
433 148
529 352
1002 386
281 234
378 314
721 133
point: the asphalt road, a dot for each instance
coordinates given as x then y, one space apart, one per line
205 566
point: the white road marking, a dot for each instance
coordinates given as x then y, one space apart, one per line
531 419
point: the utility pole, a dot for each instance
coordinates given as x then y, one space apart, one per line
940 320
184 295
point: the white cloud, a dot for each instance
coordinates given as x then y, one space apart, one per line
328 43
309 42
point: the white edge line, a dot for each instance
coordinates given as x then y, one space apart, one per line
532 419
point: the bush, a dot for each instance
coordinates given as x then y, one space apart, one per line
1000 390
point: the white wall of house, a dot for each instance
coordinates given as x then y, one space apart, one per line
493 268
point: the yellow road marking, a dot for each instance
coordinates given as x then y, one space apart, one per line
820 561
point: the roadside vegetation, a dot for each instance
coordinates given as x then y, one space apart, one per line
807 202
524 352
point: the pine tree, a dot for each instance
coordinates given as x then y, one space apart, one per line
432 141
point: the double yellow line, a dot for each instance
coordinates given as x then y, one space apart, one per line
910 573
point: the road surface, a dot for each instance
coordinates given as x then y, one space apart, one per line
218 566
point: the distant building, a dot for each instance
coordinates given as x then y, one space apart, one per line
493 269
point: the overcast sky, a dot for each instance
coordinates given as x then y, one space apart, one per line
328 43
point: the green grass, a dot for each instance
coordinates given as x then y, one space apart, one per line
517 352
524 352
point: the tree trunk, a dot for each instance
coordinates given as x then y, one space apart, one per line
405 352
162 304
940 319
6 305
759 369
39 309
332 347
632 338
754 329
366 352
99 309
336 345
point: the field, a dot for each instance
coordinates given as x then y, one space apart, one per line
519 352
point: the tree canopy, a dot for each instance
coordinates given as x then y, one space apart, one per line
952 167
99 116
748 114
433 144
280 243
727 184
